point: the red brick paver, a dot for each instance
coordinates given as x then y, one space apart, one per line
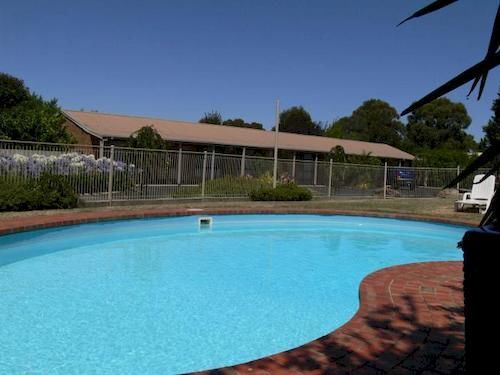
410 322
410 319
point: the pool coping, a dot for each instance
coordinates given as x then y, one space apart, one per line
26 223
351 347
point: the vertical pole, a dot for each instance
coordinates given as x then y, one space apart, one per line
142 180
101 148
276 131
243 153
203 175
293 166
385 180
458 183
212 164
110 177
315 179
330 179
179 165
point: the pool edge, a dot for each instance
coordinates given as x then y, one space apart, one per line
370 289
382 336
23 224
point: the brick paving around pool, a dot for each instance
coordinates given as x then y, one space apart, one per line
410 322
410 319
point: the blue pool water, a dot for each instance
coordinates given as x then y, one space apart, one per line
159 296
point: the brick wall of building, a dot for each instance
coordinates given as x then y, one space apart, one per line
82 137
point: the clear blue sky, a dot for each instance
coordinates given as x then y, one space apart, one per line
180 58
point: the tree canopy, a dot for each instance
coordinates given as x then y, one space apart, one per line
212 117
215 118
298 120
12 91
147 137
336 129
439 124
338 155
240 123
374 121
492 128
25 116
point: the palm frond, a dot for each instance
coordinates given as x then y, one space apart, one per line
481 86
432 7
473 72
474 84
495 36
490 54
486 157
492 172
491 214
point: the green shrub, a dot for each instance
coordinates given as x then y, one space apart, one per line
285 192
47 192
16 196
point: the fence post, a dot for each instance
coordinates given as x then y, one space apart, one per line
385 180
243 154
203 174
293 167
458 183
212 165
110 177
330 179
315 171
179 166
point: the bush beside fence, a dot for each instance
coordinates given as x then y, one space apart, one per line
46 192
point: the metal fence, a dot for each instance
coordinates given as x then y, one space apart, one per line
107 174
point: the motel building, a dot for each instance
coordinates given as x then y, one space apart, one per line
104 129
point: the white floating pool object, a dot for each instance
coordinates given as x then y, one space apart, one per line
205 222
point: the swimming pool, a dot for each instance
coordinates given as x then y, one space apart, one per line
162 296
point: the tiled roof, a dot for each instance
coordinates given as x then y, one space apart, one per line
104 125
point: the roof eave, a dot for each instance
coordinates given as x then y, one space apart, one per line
281 147
81 126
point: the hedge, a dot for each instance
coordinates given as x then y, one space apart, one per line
285 192
49 191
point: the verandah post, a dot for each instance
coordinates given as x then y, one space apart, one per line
101 148
385 180
179 165
212 165
315 179
243 154
330 179
110 177
203 174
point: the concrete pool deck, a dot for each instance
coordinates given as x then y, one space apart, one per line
410 318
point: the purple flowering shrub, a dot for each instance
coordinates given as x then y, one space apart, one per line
63 164
84 172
